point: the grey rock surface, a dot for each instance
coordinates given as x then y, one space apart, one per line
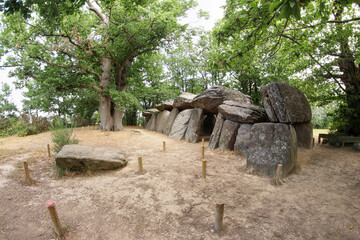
83 158
151 125
271 144
356 147
184 101
212 98
304 133
228 135
161 120
180 124
242 112
243 139
170 122
285 103
215 135
165 106
194 127
149 112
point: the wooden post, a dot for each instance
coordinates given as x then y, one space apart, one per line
55 219
204 169
202 142
140 164
187 138
48 149
313 143
27 173
203 151
219 218
278 180
164 146
319 139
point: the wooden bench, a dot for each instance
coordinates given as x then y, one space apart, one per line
346 139
342 139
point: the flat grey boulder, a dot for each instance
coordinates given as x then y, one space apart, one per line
161 120
83 158
271 144
171 120
184 101
304 134
243 112
212 98
228 135
180 124
243 139
285 103
165 106
149 112
193 130
215 135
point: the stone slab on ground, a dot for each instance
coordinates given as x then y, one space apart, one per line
243 139
161 120
194 127
83 158
304 134
215 135
180 124
271 144
228 135
170 122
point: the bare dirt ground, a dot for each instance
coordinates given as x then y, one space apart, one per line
319 200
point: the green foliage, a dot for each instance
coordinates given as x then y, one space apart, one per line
21 126
61 135
7 107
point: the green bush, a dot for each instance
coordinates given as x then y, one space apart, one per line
61 135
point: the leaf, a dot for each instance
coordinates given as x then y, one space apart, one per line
274 5
296 12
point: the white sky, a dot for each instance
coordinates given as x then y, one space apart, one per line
213 7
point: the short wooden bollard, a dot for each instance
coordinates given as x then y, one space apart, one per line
187 138
204 169
48 149
55 219
140 164
164 146
203 151
219 216
202 142
27 173
278 180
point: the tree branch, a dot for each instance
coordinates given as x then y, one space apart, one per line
96 10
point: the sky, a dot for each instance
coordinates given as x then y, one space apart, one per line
213 7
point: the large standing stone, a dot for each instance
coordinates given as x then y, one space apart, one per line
194 127
215 135
170 122
82 158
242 112
161 120
149 112
152 122
271 144
165 106
304 133
228 135
146 121
211 98
243 139
180 125
184 101
285 103
356 147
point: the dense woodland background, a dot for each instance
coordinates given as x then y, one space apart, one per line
107 60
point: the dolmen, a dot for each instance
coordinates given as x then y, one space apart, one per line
268 135
82 158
